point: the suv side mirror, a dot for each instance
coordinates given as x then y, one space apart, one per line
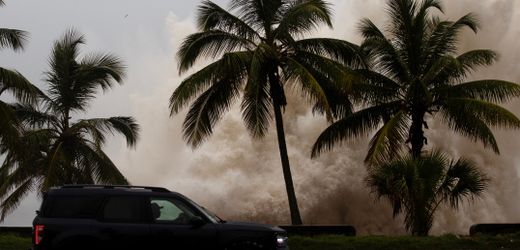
196 221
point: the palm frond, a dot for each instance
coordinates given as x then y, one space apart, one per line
257 102
327 71
94 72
409 22
18 85
74 82
101 70
54 165
31 117
208 108
210 16
465 181
208 44
375 88
495 91
424 9
15 173
443 68
489 113
13 200
237 63
335 49
9 133
444 37
258 14
457 70
310 86
357 124
417 186
302 17
402 14
468 125
13 38
368 29
388 140
476 58
67 47
95 163
390 180
63 69
381 54
334 79
97 127
470 21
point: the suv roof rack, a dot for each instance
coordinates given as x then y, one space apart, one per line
154 189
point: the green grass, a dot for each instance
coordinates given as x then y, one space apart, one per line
447 242
14 242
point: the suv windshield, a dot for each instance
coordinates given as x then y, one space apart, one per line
213 215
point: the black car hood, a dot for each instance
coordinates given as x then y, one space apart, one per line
236 225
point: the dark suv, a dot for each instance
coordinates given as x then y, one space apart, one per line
132 217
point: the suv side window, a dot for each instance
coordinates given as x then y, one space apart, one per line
123 209
170 210
72 206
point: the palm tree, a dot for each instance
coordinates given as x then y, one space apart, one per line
14 83
257 51
416 75
418 186
60 150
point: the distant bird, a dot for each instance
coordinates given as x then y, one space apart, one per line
126 15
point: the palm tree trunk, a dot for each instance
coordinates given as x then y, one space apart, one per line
421 225
417 138
278 101
293 203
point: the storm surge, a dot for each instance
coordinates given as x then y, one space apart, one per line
240 178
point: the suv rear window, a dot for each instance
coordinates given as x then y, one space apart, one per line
72 206
123 209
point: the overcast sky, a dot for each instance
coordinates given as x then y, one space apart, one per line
136 31
231 173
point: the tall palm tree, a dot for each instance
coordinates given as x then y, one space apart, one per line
418 186
14 83
416 75
58 149
257 51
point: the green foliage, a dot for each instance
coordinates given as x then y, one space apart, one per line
14 83
412 73
418 186
252 44
445 242
13 38
14 242
56 149
258 53
336 242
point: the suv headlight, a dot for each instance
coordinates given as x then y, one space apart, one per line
281 240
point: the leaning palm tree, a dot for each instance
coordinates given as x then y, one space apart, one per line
416 75
417 186
58 149
259 55
14 83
